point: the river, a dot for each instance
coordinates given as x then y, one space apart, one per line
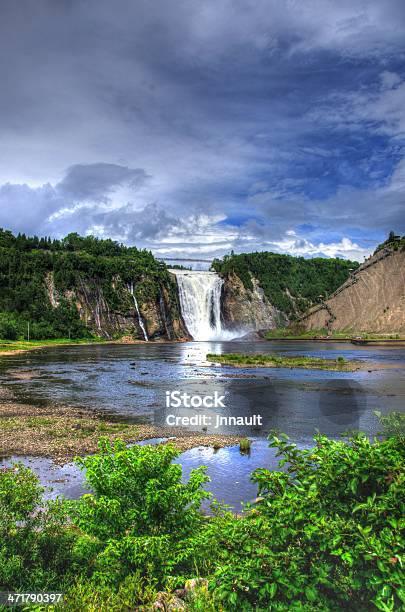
131 381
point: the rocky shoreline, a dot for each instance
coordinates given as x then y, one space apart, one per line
62 433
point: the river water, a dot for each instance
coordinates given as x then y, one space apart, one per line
131 382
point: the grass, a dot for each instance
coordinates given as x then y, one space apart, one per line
371 336
276 361
291 333
13 346
244 445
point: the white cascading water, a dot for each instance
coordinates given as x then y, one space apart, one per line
141 323
200 302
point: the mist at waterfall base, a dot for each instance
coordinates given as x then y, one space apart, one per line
200 302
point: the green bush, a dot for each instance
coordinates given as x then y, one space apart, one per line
325 533
8 327
35 542
140 515
325 536
393 424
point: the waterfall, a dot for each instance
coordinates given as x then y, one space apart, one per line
141 323
200 302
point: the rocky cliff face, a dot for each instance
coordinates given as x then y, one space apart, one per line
118 317
371 300
247 310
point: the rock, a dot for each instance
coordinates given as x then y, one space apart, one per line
168 602
252 336
243 309
160 314
370 301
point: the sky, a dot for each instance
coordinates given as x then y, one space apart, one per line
193 128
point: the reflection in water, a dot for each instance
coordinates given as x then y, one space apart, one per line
241 399
130 381
341 404
228 469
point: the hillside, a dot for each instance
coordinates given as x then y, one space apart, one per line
79 287
371 300
267 290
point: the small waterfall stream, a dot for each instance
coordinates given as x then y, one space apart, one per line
141 323
200 301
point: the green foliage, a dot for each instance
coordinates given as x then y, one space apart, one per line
393 424
29 266
325 533
8 327
140 515
290 283
34 543
394 242
281 361
244 445
138 490
132 592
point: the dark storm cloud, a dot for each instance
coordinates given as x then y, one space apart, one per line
84 192
96 181
204 126
23 208
150 222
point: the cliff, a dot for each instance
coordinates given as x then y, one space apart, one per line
80 286
371 300
278 283
111 318
243 308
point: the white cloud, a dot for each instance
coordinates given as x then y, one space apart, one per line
389 80
345 248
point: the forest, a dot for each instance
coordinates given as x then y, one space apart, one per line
26 261
292 284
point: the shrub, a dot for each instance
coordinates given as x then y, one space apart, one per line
326 534
34 541
244 445
8 328
393 424
140 515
